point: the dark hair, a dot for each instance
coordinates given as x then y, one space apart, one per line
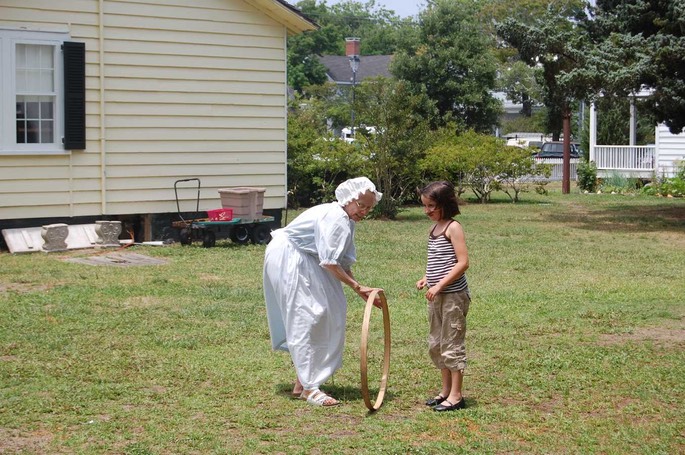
444 196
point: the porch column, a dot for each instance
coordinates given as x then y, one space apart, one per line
593 131
633 121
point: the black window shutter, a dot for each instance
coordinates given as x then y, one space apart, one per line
74 95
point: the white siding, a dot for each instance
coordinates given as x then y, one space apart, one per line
671 149
191 89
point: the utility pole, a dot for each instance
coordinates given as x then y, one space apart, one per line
352 46
566 166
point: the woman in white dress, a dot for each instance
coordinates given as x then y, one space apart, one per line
305 265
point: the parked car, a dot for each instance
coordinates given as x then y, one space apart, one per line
526 142
555 149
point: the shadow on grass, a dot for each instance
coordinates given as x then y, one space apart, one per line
342 393
625 218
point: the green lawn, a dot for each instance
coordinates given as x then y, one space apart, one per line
575 342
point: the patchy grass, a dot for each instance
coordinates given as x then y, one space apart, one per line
575 341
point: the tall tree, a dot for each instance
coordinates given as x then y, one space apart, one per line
451 60
516 79
555 45
397 142
639 44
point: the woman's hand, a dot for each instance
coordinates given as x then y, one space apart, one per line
364 292
422 283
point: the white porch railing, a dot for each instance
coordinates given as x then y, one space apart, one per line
558 168
639 158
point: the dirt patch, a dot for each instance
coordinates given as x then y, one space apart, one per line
23 288
17 441
549 406
118 260
210 278
143 302
671 334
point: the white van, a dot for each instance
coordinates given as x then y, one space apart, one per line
348 136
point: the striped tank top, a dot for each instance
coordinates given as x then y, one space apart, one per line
441 259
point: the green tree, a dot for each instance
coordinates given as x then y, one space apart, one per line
400 121
518 170
515 78
450 60
556 46
639 44
518 81
441 162
317 162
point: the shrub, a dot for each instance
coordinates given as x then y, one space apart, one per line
387 208
483 163
587 176
517 170
674 187
618 183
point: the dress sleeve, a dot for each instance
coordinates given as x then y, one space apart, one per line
350 256
334 239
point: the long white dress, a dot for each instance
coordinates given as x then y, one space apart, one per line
305 303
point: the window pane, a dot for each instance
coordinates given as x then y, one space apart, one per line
32 132
32 80
46 81
21 55
32 111
46 131
46 57
21 132
21 110
32 56
21 80
46 110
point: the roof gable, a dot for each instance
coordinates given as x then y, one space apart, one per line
339 70
285 13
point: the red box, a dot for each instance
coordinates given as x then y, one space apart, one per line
220 214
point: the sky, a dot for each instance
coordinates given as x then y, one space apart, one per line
403 8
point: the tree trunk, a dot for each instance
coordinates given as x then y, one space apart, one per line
527 109
566 170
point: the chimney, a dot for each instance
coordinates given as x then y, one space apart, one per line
352 46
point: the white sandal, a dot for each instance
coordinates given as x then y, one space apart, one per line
318 398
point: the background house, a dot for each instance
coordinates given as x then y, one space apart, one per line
660 159
339 71
104 104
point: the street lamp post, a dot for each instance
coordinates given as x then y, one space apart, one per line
352 46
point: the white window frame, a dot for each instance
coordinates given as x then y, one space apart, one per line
9 38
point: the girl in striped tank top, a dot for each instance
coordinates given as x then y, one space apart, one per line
448 293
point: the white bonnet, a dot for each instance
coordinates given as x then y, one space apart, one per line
353 188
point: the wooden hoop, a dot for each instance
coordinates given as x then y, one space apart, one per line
364 347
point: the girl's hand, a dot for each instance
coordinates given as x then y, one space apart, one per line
433 292
422 283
